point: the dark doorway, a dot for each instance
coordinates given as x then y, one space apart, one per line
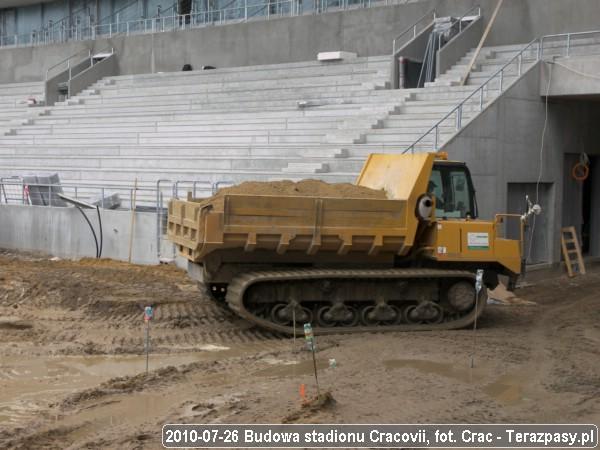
589 209
184 8
581 203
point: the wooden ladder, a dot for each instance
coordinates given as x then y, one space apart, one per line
571 251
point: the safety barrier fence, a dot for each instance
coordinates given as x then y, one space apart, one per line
153 198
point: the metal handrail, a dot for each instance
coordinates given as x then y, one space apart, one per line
433 14
458 109
197 186
67 60
413 28
91 57
462 18
567 36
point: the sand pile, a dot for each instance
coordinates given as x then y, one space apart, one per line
303 188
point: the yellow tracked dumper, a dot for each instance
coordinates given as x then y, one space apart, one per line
407 261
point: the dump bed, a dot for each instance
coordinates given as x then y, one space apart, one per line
311 225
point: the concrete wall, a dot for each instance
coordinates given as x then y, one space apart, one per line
51 89
105 68
502 146
52 85
63 232
367 31
458 46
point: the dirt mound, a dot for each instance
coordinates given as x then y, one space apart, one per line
125 384
322 403
303 188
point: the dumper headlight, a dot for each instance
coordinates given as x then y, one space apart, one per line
424 207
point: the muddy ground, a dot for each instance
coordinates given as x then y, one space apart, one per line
72 367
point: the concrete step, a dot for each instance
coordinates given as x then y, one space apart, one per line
287 117
100 176
404 141
84 133
306 167
296 116
165 162
160 139
376 62
289 102
284 164
184 128
442 109
199 109
328 95
148 151
273 91
219 84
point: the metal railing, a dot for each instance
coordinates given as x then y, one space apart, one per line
81 65
153 199
14 190
267 11
423 22
462 18
567 41
456 114
411 31
65 64
539 48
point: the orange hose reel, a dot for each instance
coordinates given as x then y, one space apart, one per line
580 171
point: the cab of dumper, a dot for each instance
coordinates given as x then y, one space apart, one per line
449 228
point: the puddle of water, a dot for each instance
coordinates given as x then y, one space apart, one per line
111 366
278 362
447 370
212 348
289 370
142 407
507 389
27 381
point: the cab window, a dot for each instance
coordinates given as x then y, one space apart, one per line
453 193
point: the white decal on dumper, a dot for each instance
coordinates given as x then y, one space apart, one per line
478 241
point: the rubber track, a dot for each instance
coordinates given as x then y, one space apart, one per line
238 286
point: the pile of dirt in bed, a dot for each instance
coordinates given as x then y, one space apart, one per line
303 188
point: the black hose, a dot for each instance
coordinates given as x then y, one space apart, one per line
101 234
91 228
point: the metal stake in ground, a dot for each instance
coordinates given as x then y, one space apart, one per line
478 287
294 325
148 314
310 339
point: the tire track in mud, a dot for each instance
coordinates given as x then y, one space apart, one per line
98 306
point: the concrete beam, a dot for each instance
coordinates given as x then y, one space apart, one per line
576 76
